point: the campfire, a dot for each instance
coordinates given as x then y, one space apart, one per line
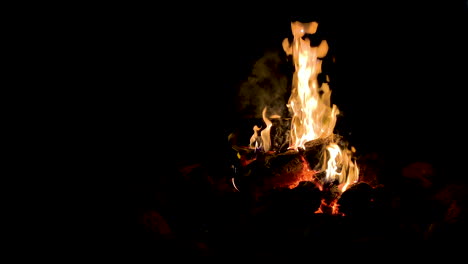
302 147
287 182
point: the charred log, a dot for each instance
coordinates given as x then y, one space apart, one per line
356 200
268 170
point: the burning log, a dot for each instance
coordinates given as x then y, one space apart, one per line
288 164
260 172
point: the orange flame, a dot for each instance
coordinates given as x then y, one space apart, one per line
340 166
265 134
263 141
313 117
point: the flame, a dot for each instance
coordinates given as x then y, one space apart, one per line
265 134
340 166
254 139
263 141
313 116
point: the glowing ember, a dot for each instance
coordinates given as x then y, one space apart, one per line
306 174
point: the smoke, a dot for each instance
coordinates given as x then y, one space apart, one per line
266 86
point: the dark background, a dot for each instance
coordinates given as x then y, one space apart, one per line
170 82
159 86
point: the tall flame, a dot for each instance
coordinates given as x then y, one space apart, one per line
313 116
310 104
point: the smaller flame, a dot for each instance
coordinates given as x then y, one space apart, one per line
265 133
254 139
263 141
307 174
340 167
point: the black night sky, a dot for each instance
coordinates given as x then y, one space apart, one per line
397 74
